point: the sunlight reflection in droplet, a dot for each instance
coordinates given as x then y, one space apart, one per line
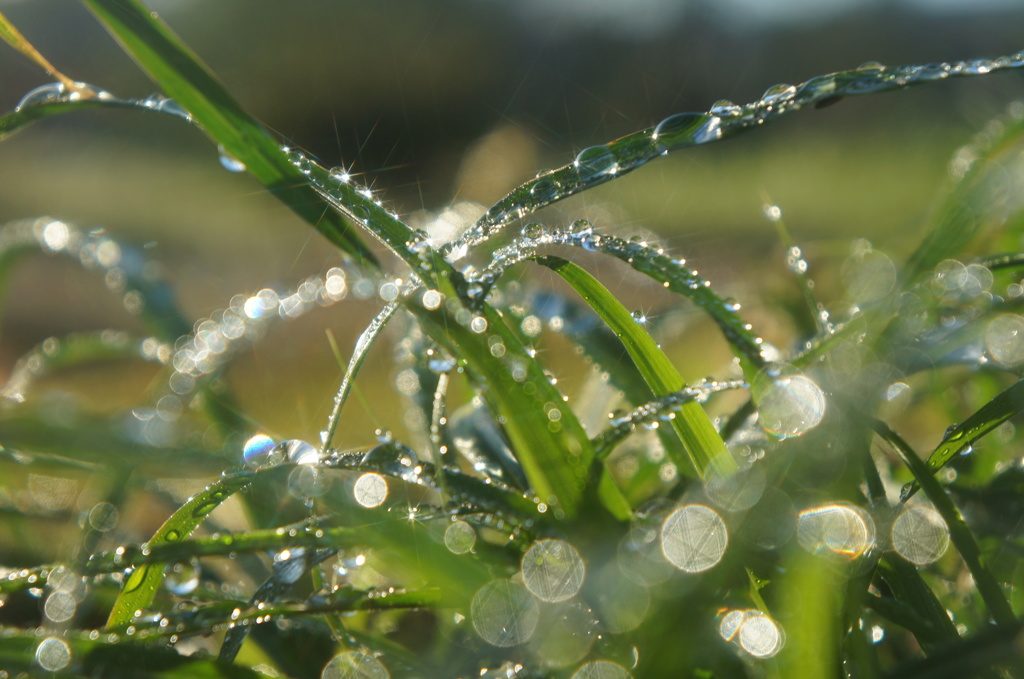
602 669
694 538
552 570
920 535
370 490
459 537
787 404
1004 339
755 632
840 528
504 613
53 654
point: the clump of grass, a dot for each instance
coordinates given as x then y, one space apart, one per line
508 532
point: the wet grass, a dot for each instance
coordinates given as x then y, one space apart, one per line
544 484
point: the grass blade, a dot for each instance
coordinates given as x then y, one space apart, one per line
702 442
140 587
181 75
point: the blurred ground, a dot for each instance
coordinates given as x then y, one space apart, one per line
460 100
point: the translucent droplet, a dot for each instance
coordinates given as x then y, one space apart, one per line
868 275
684 129
307 481
60 607
370 490
1004 340
53 654
543 191
920 535
459 537
431 300
533 230
564 635
725 109
354 665
639 316
44 94
300 452
760 636
735 491
553 570
787 404
181 578
602 669
773 212
839 528
778 93
103 517
257 450
478 324
640 558
504 613
596 161
229 162
339 175
694 538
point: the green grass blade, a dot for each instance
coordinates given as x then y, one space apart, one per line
141 585
702 442
182 76
960 535
964 435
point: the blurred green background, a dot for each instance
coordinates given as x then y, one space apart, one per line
436 103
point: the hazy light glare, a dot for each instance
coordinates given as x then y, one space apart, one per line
840 528
920 535
694 538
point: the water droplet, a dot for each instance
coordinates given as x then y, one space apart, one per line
59 607
431 300
53 654
778 93
257 451
181 578
756 633
788 404
459 537
840 528
920 535
307 481
229 162
594 162
694 538
504 613
103 517
354 665
602 669
533 231
1004 340
478 324
552 570
684 129
298 452
543 191
639 316
370 490
564 635
339 175
735 491
868 275
773 212
725 109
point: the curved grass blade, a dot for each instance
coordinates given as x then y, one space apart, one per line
960 535
991 648
959 438
162 55
700 439
141 585
600 164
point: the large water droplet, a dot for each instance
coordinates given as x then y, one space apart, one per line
543 191
778 93
504 613
181 578
788 404
694 538
553 570
53 654
60 607
595 161
229 162
257 451
920 535
725 109
299 452
685 129
370 490
459 537
1004 340
602 669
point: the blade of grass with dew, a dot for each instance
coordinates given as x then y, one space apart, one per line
962 436
700 439
603 163
959 534
552 457
162 55
141 585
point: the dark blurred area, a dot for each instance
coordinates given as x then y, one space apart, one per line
449 101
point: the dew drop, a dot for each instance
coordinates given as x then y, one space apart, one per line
684 129
181 579
60 607
788 404
370 490
257 450
778 93
639 316
840 528
478 324
339 175
299 452
504 613
459 537
868 275
44 94
694 538
354 665
543 191
920 535
431 300
1004 340
594 162
229 162
725 109
53 654
553 570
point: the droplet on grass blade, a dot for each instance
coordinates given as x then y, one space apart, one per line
788 404
459 537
